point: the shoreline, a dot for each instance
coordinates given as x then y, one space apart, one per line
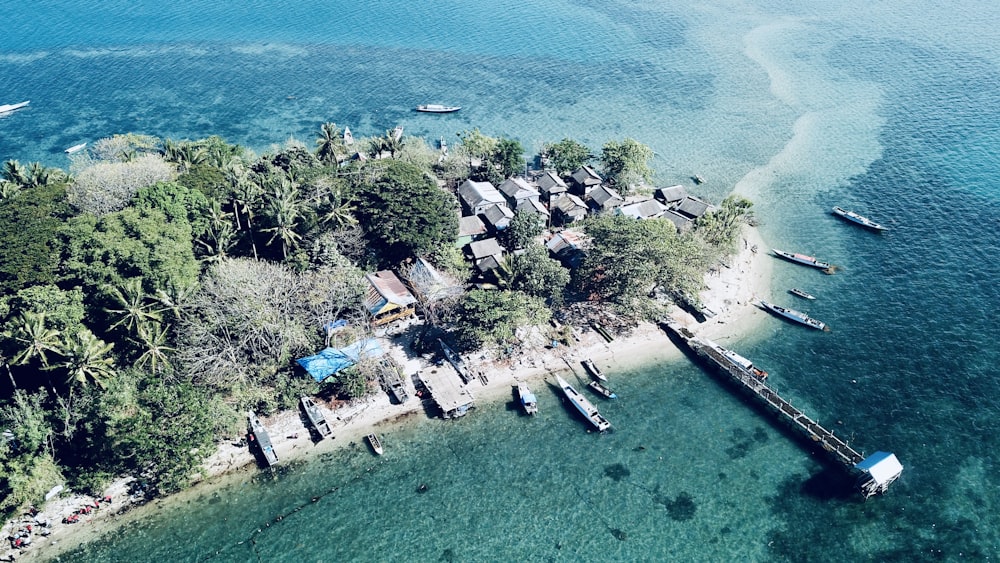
731 290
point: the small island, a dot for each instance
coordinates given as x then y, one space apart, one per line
163 289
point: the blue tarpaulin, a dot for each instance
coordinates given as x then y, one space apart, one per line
332 360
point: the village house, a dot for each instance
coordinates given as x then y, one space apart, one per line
567 248
517 190
497 217
584 180
646 209
477 197
603 198
534 206
682 223
693 207
387 298
550 186
670 196
568 208
487 254
470 228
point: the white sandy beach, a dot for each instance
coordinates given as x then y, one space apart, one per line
731 291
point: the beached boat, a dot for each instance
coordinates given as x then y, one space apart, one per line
260 439
375 443
799 293
348 136
585 407
528 400
397 132
6 108
437 108
801 259
857 219
793 315
593 370
75 148
315 416
602 390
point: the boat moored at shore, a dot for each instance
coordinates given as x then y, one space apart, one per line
857 219
800 293
803 259
260 439
793 315
593 370
602 390
529 402
76 148
585 407
315 416
375 443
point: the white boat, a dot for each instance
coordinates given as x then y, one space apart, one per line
397 133
75 148
803 259
437 108
800 293
260 439
6 108
585 407
375 443
593 370
602 390
315 415
528 400
348 136
793 315
857 219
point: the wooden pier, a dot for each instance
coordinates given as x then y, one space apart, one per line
879 470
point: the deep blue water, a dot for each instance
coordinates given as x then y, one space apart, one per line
889 109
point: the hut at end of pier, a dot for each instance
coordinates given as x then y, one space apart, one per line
879 471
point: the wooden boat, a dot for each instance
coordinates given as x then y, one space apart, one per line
602 390
799 293
375 443
260 439
348 136
857 219
593 370
528 400
697 179
315 416
586 408
75 148
793 315
438 108
7 108
802 259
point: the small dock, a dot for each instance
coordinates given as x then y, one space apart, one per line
453 399
878 470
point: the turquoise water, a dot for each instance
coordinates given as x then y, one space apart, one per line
891 109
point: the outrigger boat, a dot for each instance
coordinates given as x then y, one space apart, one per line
315 415
528 400
793 315
438 108
258 435
375 443
857 219
585 407
593 370
602 390
803 259
7 108
798 292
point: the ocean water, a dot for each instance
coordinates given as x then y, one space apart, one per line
889 108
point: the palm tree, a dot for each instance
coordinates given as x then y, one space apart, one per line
133 303
220 236
15 173
34 338
87 359
330 144
175 299
8 189
153 338
283 209
245 195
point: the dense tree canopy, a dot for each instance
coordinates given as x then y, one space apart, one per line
567 155
491 318
626 163
29 234
406 214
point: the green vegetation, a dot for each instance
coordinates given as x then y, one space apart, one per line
166 287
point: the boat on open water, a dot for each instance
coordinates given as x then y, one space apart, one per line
375 443
803 259
593 370
529 402
585 407
437 108
260 439
793 315
800 293
76 148
7 108
602 390
315 416
857 219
